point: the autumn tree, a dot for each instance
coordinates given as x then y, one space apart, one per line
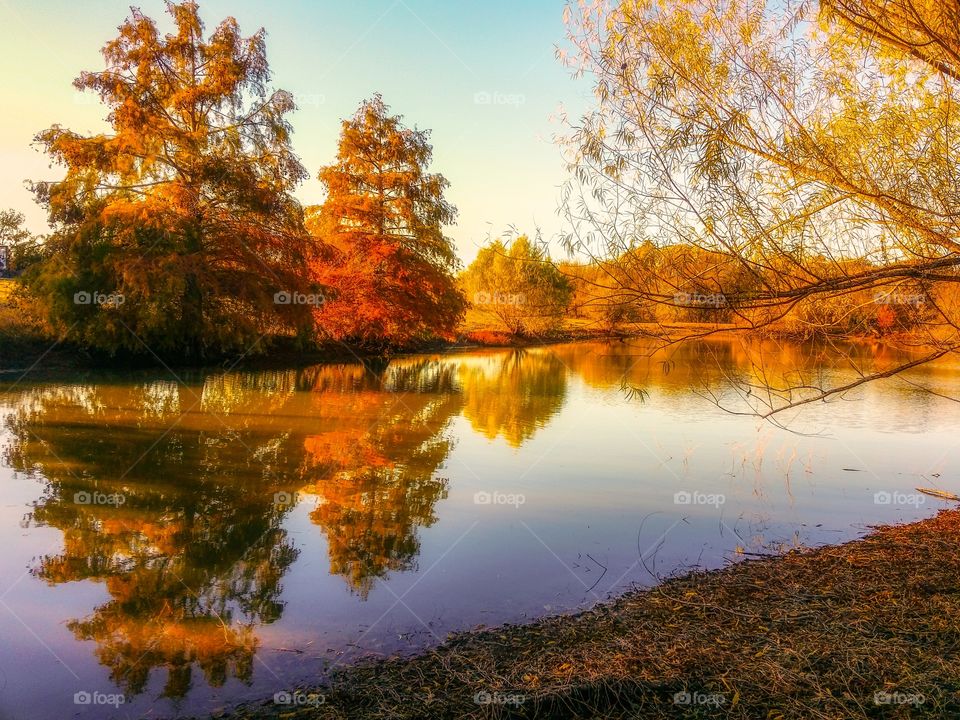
391 278
18 247
517 285
925 30
802 153
183 208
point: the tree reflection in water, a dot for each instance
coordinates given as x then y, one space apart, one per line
193 556
513 394
192 560
373 467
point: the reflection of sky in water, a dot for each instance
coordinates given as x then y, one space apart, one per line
202 589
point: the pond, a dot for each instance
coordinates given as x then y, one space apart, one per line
188 542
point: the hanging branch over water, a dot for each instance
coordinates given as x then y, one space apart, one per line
779 170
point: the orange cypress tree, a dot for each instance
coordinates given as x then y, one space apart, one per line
391 280
184 209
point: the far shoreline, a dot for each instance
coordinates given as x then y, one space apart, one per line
40 357
25 358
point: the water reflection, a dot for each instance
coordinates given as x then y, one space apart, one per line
513 394
191 563
175 498
725 371
372 466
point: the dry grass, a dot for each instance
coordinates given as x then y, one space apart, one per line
812 634
481 328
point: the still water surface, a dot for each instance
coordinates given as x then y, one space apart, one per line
198 541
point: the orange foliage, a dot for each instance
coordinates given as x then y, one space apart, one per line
184 207
390 280
489 337
342 449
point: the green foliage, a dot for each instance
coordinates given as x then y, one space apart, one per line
180 218
23 248
519 286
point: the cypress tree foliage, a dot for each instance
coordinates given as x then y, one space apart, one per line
391 281
182 212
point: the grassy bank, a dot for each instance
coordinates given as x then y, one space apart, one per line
869 629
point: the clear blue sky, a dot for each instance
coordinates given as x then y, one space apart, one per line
429 58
